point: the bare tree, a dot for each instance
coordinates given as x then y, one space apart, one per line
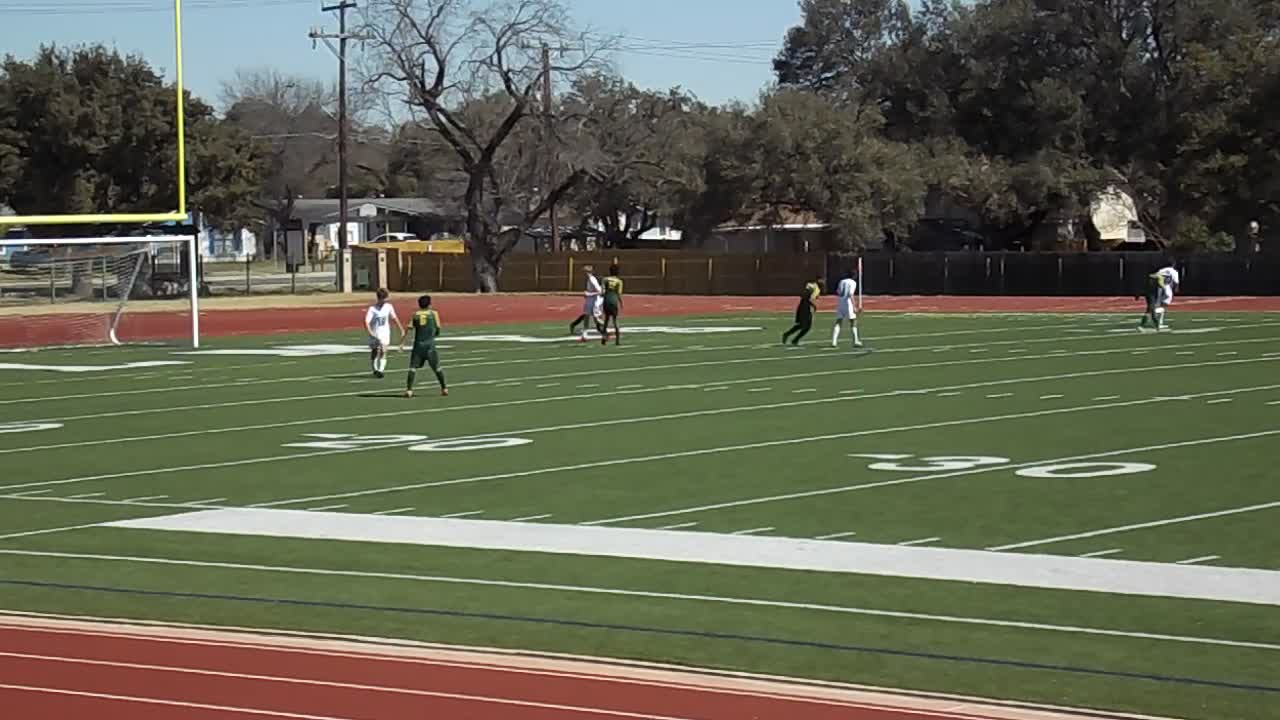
474 73
292 121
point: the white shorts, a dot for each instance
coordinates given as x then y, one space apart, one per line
1166 297
593 307
382 339
844 310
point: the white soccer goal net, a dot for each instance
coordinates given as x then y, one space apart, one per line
97 291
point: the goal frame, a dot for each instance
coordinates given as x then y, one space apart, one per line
178 215
190 241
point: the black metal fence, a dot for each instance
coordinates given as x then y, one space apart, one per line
1098 273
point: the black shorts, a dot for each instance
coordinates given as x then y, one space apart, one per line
610 309
424 356
804 313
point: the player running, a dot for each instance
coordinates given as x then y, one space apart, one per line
592 305
804 312
1160 287
377 322
612 306
426 327
845 310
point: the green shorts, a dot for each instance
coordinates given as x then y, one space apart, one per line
424 356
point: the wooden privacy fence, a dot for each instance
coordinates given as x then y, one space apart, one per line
643 271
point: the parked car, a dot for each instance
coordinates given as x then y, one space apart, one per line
396 237
30 259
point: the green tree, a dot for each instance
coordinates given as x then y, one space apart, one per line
647 148
89 130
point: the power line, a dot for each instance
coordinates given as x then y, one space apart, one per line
139 7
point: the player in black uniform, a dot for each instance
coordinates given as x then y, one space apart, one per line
804 312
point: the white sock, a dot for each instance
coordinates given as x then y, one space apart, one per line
855 335
1159 316
381 364
835 334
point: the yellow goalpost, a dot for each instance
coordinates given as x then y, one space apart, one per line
177 215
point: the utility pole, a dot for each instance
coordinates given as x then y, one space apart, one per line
342 37
550 145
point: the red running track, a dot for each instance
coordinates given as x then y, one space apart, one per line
462 310
71 669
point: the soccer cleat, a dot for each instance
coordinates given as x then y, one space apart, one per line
444 392
857 345
379 374
408 393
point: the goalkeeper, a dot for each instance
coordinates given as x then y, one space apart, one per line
426 327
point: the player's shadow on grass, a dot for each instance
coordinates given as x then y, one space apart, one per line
383 395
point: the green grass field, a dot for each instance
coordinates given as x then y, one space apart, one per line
723 432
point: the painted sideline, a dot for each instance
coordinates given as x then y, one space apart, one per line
1125 577
621 592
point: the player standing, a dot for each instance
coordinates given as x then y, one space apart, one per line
804 312
426 327
377 322
1160 287
845 310
592 304
612 306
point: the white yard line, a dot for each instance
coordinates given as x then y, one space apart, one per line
145 498
29 493
392 512
1052 397
579 396
1101 553
921 541
836 536
324 508
47 531
997 396
758 390
596 371
623 421
949 394
1219 401
925 478
209 501
679 526
500 382
469 513
1106 398
531 518
86 495
1197 560
1139 526
753 531
620 592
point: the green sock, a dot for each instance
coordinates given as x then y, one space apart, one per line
440 378
413 375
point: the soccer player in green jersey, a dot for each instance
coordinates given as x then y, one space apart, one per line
804 312
612 306
426 327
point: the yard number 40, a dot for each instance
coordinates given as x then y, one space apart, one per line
960 463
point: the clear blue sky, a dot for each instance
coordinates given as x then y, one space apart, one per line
718 49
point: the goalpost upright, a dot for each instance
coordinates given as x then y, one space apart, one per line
179 214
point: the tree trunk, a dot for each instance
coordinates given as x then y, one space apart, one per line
486 270
82 279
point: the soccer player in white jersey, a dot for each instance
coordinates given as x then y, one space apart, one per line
845 310
377 322
1169 281
592 304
